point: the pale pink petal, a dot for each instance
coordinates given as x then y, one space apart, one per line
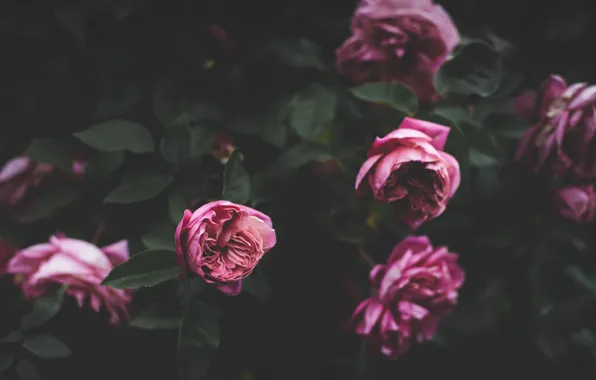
117 252
438 133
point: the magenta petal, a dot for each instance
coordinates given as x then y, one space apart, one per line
364 169
454 173
117 252
232 289
552 88
438 133
584 98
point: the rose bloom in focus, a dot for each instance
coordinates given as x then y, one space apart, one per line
408 169
20 176
418 285
223 242
562 141
398 41
77 264
576 203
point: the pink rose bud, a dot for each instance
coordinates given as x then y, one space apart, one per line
417 286
408 169
7 251
577 203
561 141
402 41
223 148
77 264
223 242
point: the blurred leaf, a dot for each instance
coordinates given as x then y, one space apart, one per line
175 145
117 135
198 340
50 150
51 199
46 346
44 309
139 188
202 139
160 236
584 338
297 52
6 360
157 318
394 95
12 337
587 282
145 269
177 204
257 285
103 165
455 113
480 159
312 108
237 182
474 69
27 370
116 98
298 156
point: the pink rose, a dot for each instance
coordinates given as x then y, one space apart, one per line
576 203
410 293
398 41
525 105
223 242
7 251
222 148
79 265
21 176
408 169
561 142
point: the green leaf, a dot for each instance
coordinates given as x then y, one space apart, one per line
586 281
12 337
297 52
160 236
103 165
177 204
474 69
176 145
145 269
198 340
117 135
46 346
257 285
51 199
6 360
312 109
480 159
298 156
139 188
27 371
237 182
44 309
157 318
50 150
394 95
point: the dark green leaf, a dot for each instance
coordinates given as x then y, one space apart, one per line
156 318
140 188
12 337
177 204
257 285
298 156
393 95
27 370
46 346
116 98
313 108
145 269
480 159
297 52
237 182
117 135
201 140
50 150
53 198
474 69
160 236
198 340
44 309
175 145
103 165
6 361
586 281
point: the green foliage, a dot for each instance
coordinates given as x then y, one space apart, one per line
117 135
145 269
394 95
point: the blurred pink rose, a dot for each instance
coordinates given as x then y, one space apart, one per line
222 148
20 176
410 293
525 105
398 41
7 251
408 169
561 141
223 242
577 203
79 265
